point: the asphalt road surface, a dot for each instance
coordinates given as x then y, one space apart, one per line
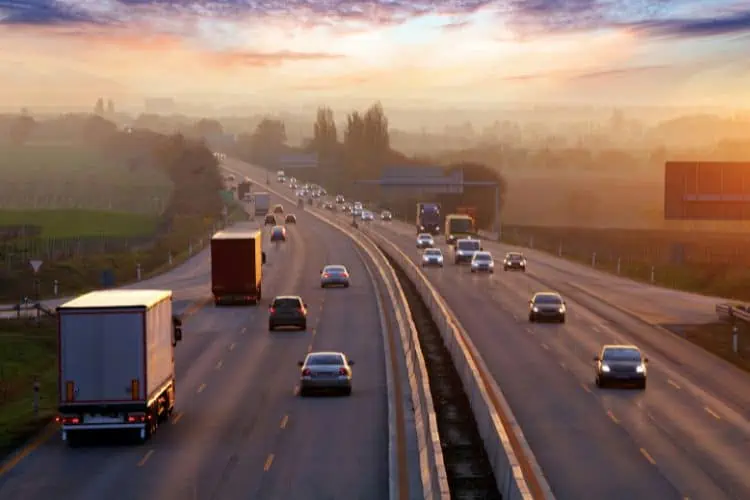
684 437
239 429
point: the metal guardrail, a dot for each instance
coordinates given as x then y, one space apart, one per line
728 312
25 310
517 474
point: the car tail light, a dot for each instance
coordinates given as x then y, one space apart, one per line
326 275
272 310
345 275
67 420
306 372
302 310
137 418
342 371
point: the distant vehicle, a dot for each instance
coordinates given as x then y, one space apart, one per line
386 216
231 177
329 206
104 339
339 199
547 306
357 209
425 240
428 218
482 262
323 192
432 257
347 209
458 226
514 260
278 209
278 233
465 250
621 364
287 311
290 219
262 203
236 262
334 275
270 220
280 176
325 371
367 216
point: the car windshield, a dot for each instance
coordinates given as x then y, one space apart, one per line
433 253
621 355
334 269
425 237
325 359
483 257
514 256
287 303
468 245
547 299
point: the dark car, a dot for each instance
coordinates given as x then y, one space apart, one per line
621 364
278 209
547 306
514 260
290 219
270 220
287 311
278 233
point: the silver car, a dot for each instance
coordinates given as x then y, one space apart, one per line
367 216
432 257
482 262
425 240
325 371
334 276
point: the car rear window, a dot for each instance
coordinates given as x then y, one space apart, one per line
334 269
622 355
288 303
433 252
482 256
468 245
547 299
325 359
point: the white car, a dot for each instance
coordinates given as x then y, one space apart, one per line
482 262
432 257
367 216
425 240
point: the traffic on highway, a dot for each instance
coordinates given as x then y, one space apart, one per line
572 349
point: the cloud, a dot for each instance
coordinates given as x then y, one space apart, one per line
44 12
571 75
262 59
733 24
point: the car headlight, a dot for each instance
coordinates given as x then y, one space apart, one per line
640 368
440 259
605 368
535 309
562 309
492 264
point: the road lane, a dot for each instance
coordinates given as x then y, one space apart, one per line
702 456
235 384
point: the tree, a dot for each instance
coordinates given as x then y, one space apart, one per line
483 198
99 107
207 128
98 130
21 129
325 138
267 142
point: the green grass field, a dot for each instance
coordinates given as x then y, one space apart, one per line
69 223
39 176
27 350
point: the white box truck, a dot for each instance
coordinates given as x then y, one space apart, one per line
116 362
262 203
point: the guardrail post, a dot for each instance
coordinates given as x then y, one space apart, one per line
169 258
138 272
190 248
593 259
35 401
55 287
559 249
531 242
618 265
653 274
735 339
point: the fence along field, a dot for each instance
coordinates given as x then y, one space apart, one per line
61 202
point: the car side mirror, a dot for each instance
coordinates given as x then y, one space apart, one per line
263 258
177 336
351 362
645 360
300 363
596 358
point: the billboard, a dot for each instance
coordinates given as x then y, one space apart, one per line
291 161
701 190
421 180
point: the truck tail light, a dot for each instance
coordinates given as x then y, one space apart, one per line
272 310
306 372
137 418
70 390
342 371
135 393
67 420
326 275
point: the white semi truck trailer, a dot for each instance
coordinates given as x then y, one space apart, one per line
116 362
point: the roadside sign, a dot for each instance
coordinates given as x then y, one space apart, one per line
35 265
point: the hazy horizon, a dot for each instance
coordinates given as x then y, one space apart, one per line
302 53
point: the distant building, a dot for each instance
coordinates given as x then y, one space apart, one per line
160 106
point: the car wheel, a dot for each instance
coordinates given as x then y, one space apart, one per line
348 391
562 319
271 327
304 326
505 269
303 392
346 285
322 285
598 381
531 318
642 385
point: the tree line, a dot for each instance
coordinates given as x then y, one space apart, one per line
361 151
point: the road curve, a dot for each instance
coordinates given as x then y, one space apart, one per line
684 437
239 430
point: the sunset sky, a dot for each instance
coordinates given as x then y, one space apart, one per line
672 52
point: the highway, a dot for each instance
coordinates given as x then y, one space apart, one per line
684 437
239 429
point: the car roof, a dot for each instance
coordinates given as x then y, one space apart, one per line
324 353
290 215
281 297
488 254
424 235
278 228
511 254
616 347
541 294
433 250
334 265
